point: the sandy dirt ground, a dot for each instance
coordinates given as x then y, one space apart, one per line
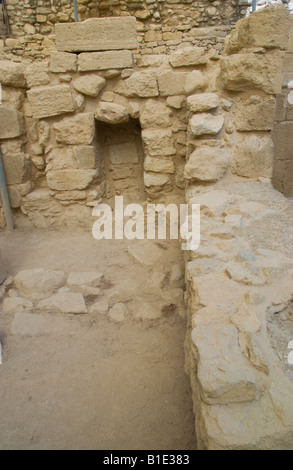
83 381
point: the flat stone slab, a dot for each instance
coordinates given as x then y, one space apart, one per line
91 61
97 34
64 302
84 279
38 283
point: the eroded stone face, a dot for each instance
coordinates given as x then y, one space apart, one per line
77 130
51 101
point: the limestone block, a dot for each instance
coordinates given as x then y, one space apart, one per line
207 164
242 72
14 197
223 373
12 74
158 141
97 34
107 60
51 101
67 180
15 168
111 113
64 302
195 81
60 159
62 62
125 152
172 83
267 28
188 56
155 180
202 102
90 85
253 156
37 74
201 124
142 84
155 114
76 130
84 278
38 283
11 122
100 307
175 101
159 164
255 113
118 312
85 156
246 319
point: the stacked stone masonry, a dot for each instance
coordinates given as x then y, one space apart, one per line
84 125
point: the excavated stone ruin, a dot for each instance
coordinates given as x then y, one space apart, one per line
99 114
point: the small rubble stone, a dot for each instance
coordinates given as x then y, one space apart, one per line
118 312
39 283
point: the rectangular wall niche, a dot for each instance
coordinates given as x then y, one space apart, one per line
123 156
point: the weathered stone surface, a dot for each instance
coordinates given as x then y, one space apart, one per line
85 156
242 72
207 164
51 101
97 34
111 113
159 164
172 83
195 81
223 374
202 102
175 101
246 319
126 152
255 113
60 159
188 56
90 85
64 302
245 274
37 74
155 114
142 84
158 141
100 307
15 168
38 283
118 312
87 278
158 180
201 124
12 74
14 197
66 180
77 130
43 129
146 253
268 27
16 304
107 60
253 156
62 62
147 311
11 122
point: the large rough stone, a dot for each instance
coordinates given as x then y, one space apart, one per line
155 114
12 74
64 302
159 165
172 83
15 168
242 72
97 34
84 278
90 85
16 304
188 56
37 74
207 164
202 102
201 124
66 180
111 113
253 156
85 156
11 122
62 62
92 61
157 180
268 27
257 113
195 81
51 101
142 84
223 373
38 283
77 130
158 141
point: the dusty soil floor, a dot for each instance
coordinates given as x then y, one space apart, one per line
82 381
